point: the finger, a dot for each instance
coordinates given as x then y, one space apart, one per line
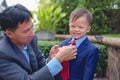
73 57
71 45
56 46
74 47
74 52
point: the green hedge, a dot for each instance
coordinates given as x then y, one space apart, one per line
45 47
102 63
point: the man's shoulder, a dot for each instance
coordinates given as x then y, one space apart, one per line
4 48
2 40
3 43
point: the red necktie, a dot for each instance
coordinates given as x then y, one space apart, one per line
65 64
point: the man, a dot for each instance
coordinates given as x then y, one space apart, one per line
20 58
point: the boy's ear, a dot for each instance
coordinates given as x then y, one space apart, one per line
88 28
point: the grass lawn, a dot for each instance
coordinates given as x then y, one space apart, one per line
48 43
111 35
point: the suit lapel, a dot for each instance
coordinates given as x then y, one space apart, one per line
18 56
67 42
22 59
33 59
30 67
83 45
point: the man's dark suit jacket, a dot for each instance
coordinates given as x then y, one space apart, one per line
83 67
14 66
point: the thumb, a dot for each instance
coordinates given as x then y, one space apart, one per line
56 46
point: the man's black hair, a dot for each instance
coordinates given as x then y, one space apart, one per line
14 15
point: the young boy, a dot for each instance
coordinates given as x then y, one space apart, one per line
83 67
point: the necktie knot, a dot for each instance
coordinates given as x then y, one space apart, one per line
73 42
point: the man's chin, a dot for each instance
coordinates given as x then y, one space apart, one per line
28 42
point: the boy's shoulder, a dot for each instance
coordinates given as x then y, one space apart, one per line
88 43
66 40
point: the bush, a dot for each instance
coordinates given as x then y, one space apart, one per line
45 47
47 16
102 63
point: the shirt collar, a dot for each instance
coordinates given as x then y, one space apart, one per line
25 47
79 41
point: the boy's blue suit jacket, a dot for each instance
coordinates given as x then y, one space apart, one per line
83 67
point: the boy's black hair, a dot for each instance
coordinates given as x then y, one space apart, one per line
75 14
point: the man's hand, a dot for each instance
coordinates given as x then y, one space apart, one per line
53 51
66 53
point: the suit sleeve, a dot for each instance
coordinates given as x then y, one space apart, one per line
90 65
9 70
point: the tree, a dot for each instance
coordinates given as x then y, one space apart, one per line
99 8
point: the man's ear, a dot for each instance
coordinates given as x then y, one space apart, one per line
88 28
9 33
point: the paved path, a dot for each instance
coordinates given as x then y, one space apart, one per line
100 79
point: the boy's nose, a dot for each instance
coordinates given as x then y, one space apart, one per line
76 28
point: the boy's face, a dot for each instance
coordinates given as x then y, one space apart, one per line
79 27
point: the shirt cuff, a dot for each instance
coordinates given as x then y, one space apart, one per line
54 66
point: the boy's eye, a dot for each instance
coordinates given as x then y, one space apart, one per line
72 26
81 27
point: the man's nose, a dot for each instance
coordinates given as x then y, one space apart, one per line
31 32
